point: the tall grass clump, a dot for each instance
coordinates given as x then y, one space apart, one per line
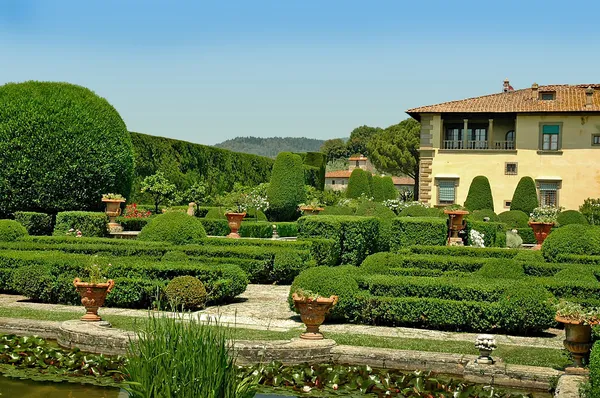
173 357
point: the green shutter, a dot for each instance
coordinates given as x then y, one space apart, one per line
550 129
446 191
548 186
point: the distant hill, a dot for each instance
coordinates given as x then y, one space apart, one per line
271 146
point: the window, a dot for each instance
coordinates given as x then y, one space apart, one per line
446 192
548 96
453 139
357 163
478 138
595 139
510 169
548 193
332 182
550 136
507 204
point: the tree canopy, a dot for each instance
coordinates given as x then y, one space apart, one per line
334 149
359 138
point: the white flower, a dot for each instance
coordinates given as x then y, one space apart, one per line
306 389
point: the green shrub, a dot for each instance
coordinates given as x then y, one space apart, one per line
525 197
513 240
595 371
176 228
133 224
408 231
337 211
35 223
286 266
377 191
572 239
480 195
91 224
175 255
73 146
11 230
255 215
355 237
286 190
420 211
389 189
385 216
215 227
514 219
327 281
391 263
216 213
464 251
571 217
187 292
591 210
479 215
527 235
358 184
494 233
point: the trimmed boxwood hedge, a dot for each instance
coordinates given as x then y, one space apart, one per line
11 230
494 233
35 223
571 217
514 219
572 239
595 371
91 224
133 224
173 227
409 231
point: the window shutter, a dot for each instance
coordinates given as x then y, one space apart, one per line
550 129
548 186
446 191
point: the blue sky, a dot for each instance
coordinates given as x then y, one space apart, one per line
208 71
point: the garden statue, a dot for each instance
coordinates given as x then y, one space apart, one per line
485 343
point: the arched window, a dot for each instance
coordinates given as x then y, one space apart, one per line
510 139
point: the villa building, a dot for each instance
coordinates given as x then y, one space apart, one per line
550 133
338 180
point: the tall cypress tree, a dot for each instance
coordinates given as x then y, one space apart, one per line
358 184
286 190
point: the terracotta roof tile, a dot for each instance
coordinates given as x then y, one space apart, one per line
338 174
403 181
569 98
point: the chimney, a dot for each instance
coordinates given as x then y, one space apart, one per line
589 95
507 87
534 91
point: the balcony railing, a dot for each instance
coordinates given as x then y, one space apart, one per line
479 145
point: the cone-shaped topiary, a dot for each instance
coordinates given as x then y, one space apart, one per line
72 147
174 227
286 190
525 196
480 195
389 190
377 189
358 184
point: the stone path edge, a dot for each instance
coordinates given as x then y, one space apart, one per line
91 337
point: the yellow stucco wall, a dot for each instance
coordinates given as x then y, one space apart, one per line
578 166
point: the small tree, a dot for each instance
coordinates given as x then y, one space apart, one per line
480 195
525 196
159 188
358 184
286 190
196 193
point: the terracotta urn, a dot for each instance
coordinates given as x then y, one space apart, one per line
113 210
457 224
540 231
235 222
92 297
578 339
311 211
312 312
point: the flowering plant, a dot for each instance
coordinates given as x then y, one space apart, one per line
545 214
576 312
96 271
112 196
74 232
397 205
313 205
131 211
476 238
257 198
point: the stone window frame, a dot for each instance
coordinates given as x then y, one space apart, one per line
594 138
506 172
437 184
558 188
541 137
507 203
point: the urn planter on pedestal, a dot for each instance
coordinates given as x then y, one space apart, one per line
235 221
92 297
578 339
312 312
540 231
113 210
311 211
456 225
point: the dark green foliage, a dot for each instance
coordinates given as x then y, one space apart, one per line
359 138
464 251
216 213
174 227
337 211
525 196
175 255
494 233
133 224
355 237
420 211
11 230
334 149
389 189
527 235
286 190
185 164
91 224
409 231
35 223
314 168
255 215
385 216
572 239
480 195
358 184
479 215
591 210
73 146
595 371
271 146
215 227
327 281
250 229
514 219
187 292
571 217
377 189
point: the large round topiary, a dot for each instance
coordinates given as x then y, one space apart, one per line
358 184
286 190
174 227
480 215
72 147
11 230
327 281
514 219
187 292
572 239
480 195
525 196
571 217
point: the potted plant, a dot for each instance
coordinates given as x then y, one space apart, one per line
578 323
236 211
456 223
541 220
93 293
312 309
311 209
113 209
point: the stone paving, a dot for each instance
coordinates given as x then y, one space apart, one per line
265 307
